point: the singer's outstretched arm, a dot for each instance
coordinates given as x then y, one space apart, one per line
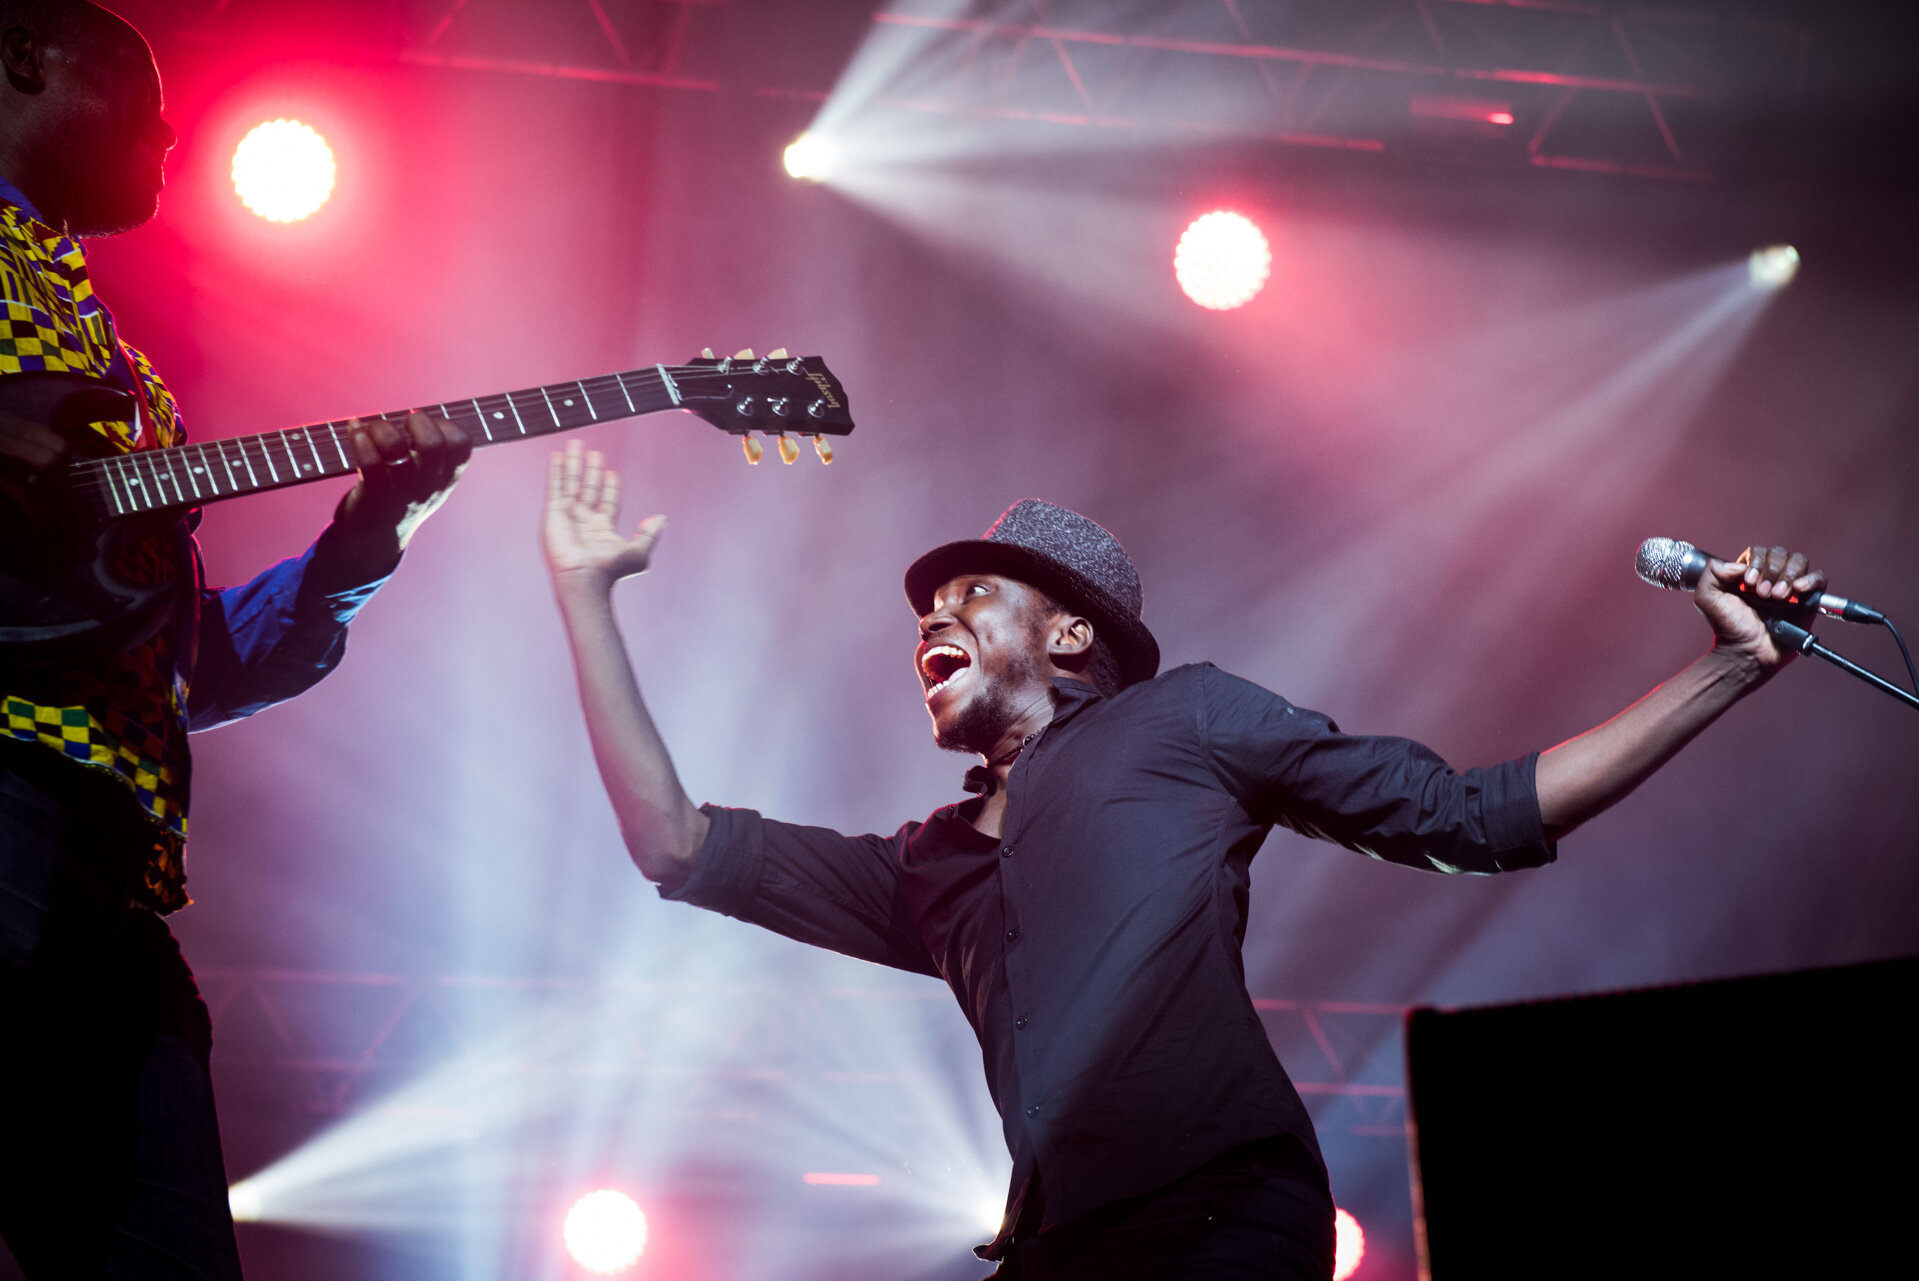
1585 775
586 555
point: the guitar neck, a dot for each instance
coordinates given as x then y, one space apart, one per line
189 475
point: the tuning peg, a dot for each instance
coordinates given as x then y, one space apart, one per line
778 353
823 448
789 448
744 353
706 353
753 449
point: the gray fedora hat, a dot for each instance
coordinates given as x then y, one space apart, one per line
1065 555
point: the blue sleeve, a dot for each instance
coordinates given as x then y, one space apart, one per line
810 884
266 641
1390 798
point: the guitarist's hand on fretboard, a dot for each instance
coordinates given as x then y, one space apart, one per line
406 471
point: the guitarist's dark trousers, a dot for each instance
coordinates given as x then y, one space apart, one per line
109 1151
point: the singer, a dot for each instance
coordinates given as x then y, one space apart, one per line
1087 905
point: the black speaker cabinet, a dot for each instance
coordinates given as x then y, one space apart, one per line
1747 1128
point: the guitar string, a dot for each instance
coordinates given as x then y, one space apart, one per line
95 476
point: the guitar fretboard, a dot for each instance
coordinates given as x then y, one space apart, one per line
188 475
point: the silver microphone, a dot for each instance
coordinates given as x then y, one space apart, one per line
1676 565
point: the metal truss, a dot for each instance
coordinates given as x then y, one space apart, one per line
627 42
333 1043
1646 91
1649 89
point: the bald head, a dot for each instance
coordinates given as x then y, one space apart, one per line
80 127
64 22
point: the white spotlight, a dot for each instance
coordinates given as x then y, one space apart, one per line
1350 1247
245 1202
605 1232
1222 261
1773 267
283 170
811 157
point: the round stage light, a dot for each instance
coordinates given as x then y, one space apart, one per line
1773 267
605 1232
283 170
1222 261
244 1202
811 157
1349 1245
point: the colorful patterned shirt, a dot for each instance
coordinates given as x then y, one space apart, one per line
224 654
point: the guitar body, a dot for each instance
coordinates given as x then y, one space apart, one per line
65 596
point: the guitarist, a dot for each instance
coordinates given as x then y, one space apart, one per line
109 1152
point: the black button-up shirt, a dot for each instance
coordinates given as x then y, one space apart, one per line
1095 947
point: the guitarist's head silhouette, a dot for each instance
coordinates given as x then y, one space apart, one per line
81 134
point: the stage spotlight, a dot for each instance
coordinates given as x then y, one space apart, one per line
245 1202
1222 261
283 170
989 1212
1773 267
605 1232
1349 1245
811 157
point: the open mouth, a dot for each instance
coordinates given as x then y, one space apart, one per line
941 665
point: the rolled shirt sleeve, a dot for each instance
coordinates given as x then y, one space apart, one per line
1390 798
811 884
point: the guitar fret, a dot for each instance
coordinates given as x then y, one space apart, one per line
145 498
109 470
620 380
192 474
516 413
226 461
587 396
480 414
163 466
247 462
333 434
266 456
550 411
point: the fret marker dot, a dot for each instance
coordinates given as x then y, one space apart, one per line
498 414
567 403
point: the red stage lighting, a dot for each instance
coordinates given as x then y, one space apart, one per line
1349 1245
605 1232
283 170
1222 261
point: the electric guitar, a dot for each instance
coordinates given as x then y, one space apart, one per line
63 598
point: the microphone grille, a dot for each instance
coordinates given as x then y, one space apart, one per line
1662 562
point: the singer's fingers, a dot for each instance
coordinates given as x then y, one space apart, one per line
609 494
648 533
1789 576
1725 573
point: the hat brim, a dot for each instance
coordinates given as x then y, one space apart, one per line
1132 644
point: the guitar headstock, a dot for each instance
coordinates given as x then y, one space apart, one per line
776 395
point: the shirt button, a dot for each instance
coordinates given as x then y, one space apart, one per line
1006 851
1033 1111
1011 935
1019 1022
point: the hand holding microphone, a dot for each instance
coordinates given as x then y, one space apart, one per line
1772 583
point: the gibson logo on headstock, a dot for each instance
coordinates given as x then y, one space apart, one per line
825 386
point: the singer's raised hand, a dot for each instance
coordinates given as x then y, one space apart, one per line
1774 574
579 533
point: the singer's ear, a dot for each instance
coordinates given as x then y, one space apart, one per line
1071 636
